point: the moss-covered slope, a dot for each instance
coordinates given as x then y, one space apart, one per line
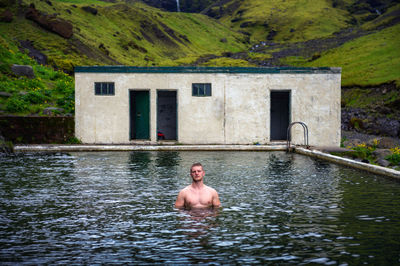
361 36
122 33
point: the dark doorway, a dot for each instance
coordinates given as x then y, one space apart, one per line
280 114
166 115
139 114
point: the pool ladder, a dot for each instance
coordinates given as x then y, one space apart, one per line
305 128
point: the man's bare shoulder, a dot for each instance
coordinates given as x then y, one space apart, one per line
209 188
185 190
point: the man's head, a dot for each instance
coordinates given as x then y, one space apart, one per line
196 172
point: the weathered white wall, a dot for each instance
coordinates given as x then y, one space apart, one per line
237 113
247 109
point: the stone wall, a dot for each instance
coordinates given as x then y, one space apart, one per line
37 129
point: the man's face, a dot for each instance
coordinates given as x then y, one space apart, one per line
197 173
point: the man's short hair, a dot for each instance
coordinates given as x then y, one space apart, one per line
196 164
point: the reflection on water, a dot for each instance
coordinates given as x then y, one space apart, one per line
117 207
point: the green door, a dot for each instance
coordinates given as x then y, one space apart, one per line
140 114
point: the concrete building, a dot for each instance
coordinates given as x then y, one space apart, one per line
205 105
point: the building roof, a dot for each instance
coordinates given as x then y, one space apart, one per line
254 70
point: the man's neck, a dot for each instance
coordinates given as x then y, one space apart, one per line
197 185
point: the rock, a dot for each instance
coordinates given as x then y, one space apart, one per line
51 23
247 24
39 57
385 126
387 143
21 70
375 123
104 49
381 153
90 9
394 105
383 162
271 35
6 16
4 94
352 142
52 110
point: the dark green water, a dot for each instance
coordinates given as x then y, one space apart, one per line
117 208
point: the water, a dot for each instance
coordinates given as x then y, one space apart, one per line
117 208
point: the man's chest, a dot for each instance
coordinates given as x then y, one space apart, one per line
201 197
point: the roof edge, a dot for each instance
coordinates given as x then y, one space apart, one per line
255 70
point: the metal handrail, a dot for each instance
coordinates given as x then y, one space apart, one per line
305 128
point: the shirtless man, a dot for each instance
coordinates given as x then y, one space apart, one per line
197 195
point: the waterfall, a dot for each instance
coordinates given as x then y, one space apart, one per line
178 9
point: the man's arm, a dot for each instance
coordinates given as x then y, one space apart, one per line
216 202
180 200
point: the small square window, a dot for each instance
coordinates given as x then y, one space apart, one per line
201 89
104 88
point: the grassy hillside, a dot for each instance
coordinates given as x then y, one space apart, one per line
339 33
369 60
121 33
284 21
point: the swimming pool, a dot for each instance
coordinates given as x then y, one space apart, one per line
117 207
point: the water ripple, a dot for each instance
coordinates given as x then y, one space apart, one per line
117 208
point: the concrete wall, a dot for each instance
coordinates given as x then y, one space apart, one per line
238 112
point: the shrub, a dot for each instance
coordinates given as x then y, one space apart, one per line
15 105
363 151
64 86
394 158
35 97
73 140
356 123
67 103
4 68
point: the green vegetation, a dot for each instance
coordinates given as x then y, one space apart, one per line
133 33
369 60
364 98
122 33
292 21
49 88
224 61
394 158
365 152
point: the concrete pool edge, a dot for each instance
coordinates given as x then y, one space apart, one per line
275 147
127 147
380 170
